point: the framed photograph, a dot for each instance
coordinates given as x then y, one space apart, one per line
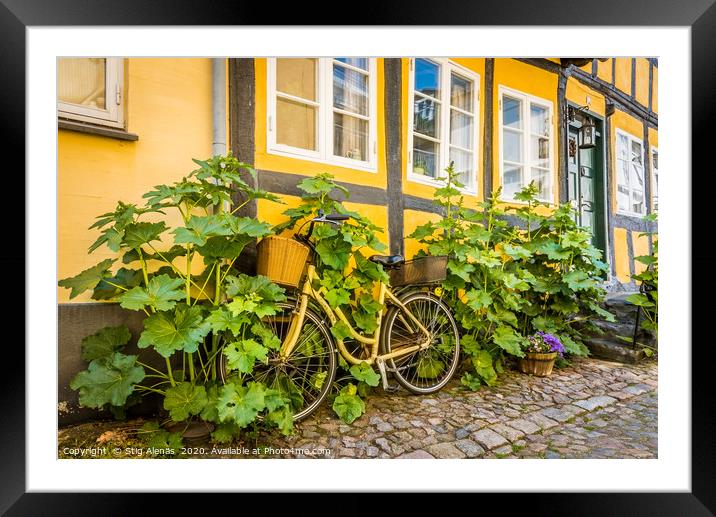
198 303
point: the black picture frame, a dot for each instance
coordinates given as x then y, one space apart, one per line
699 15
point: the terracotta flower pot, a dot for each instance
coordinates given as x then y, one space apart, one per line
192 432
537 364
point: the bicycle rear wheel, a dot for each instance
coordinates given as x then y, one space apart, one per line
306 376
423 371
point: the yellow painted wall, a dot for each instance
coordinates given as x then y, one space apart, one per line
578 93
532 81
265 160
604 70
622 78
621 255
640 246
169 107
641 92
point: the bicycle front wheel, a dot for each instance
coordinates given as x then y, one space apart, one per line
422 371
306 376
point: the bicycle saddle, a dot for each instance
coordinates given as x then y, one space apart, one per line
387 260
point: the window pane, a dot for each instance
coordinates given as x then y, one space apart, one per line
295 124
623 173
541 179
636 153
358 62
511 112
82 81
297 76
655 159
636 178
460 92
463 165
511 181
350 137
623 198
460 129
622 147
637 202
425 157
539 151
426 116
539 121
350 90
512 143
427 78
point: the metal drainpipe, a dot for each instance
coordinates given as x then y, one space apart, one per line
218 101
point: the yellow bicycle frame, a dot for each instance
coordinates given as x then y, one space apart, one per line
337 315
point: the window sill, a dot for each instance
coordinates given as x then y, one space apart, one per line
109 132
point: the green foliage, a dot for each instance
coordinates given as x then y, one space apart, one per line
183 400
157 438
364 372
105 342
507 281
108 380
348 405
190 314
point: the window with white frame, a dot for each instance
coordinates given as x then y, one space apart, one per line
630 174
443 123
323 109
525 143
655 177
91 90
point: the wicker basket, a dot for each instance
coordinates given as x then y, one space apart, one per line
538 364
422 270
282 260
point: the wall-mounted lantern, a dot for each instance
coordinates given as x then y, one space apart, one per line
587 135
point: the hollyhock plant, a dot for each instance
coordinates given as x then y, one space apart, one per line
544 343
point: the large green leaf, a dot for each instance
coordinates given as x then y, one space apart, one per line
222 319
579 280
461 269
321 184
109 380
161 294
169 332
510 341
199 228
87 279
334 252
337 297
241 355
105 342
281 418
348 405
253 295
364 372
241 404
478 299
137 234
184 400
127 278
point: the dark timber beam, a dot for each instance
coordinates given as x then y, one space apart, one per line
489 107
393 152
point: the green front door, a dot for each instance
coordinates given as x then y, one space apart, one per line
584 184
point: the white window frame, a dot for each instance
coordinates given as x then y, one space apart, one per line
446 68
113 114
324 123
654 179
630 138
526 100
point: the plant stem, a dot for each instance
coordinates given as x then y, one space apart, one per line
144 266
169 371
146 388
191 366
144 365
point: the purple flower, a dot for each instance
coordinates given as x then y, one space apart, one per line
542 342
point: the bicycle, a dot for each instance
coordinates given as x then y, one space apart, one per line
416 338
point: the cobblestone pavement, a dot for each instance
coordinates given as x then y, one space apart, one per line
591 409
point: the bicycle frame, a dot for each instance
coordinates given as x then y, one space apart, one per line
337 315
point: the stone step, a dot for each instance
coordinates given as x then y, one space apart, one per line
613 351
